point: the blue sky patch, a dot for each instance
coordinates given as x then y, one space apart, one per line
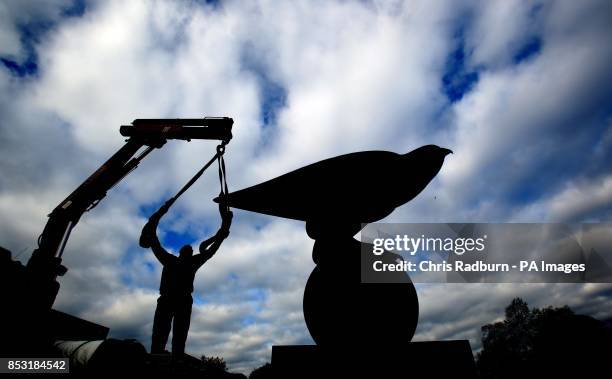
531 48
30 34
175 240
458 79
248 320
28 67
150 267
273 96
76 9
198 299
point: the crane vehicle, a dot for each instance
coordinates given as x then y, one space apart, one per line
28 324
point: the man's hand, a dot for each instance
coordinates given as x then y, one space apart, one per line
145 237
226 220
223 233
149 231
209 247
164 208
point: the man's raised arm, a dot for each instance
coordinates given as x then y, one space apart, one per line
209 247
148 237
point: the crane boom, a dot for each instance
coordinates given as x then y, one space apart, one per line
45 263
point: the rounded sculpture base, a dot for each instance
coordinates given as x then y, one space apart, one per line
340 310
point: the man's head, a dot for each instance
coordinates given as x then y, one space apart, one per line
186 252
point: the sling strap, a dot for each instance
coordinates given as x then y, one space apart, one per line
222 174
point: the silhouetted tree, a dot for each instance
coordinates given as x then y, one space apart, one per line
214 365
543 342
263 372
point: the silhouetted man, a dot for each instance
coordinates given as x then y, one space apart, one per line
176 285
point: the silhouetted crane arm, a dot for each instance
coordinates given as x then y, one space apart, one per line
143 133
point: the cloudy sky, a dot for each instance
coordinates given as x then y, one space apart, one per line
520 90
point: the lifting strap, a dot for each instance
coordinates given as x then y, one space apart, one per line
222 181
222 176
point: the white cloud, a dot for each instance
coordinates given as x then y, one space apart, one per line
25 13
524 124
9 37
499 30
589 201
577 201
